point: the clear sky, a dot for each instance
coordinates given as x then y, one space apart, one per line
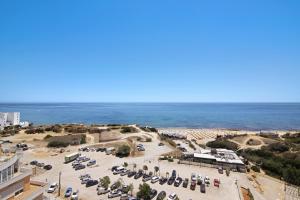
150 51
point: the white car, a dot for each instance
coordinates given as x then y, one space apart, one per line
172 196
52 188
206 179
75 195
154 179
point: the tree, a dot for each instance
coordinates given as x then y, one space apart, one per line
134 166
144 191
125 164
145 168
156 169
123 151
105 181
131 188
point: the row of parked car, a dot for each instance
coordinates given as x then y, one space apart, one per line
78 164
69 193
175 180
146 177
41 165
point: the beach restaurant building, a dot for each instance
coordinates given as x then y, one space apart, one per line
217 158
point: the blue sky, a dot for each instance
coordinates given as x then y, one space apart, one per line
150 51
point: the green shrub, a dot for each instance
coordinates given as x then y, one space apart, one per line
148 139
47 136
123 151
57 144
224 144
255 168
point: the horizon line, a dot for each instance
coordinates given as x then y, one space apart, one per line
204 102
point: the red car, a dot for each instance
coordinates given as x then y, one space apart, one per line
216 182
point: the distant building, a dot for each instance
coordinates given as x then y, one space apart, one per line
216 157
9 119
15 183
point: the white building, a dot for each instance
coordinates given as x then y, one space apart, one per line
9 118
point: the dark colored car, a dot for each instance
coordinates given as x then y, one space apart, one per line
91 183
48 167
202 188
114 186
101 149
114 168
34 162
131 174
163 180
185 183
80 166
171 181
146 178
174 173
138 175
68 192
193 185
153 193
178 181
161 195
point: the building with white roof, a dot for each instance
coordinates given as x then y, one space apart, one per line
219 157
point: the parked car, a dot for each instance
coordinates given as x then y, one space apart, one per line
75 195
172 196
220 170
154 179
206 180
118 170
162 195
131 174
114 168
102 190
68 192
146 178
162 180
85 180
114 193
114 186
52 188
91 162
193 185
34 162
171 180
178 181
153 193
174 173
79 167
193 177
84 176
202 188
48 167
216 182
124 197
90 183
185 183
125 172
161 144
40 164
138 175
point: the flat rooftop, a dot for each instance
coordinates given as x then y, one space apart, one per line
220 155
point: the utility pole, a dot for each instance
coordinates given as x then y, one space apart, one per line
59 185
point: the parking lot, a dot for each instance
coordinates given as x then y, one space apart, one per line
104 163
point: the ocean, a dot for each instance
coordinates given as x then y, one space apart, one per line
252 116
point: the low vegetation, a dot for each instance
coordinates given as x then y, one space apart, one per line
58 144
223 143
128 129
144 191
148 129
123 151
281 165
